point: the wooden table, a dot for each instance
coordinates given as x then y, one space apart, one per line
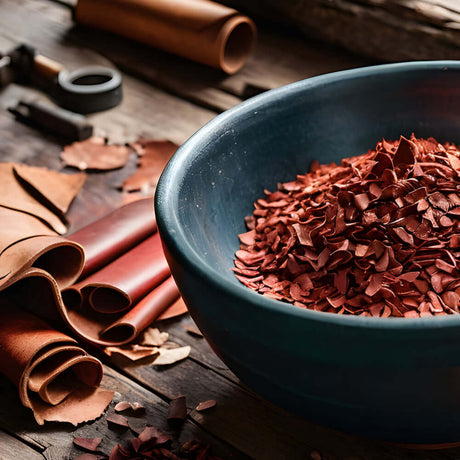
165 98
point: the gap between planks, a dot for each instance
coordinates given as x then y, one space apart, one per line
16 448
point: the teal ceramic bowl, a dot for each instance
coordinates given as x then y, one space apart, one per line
392 379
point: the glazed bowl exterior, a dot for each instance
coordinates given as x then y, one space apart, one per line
396 379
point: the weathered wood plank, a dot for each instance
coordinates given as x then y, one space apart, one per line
11 448
56 440
252 424
393 30
201 351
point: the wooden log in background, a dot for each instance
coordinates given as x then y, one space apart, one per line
386 30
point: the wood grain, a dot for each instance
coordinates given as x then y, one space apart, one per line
11 447
390 30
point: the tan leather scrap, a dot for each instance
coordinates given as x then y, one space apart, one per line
39 192
57 189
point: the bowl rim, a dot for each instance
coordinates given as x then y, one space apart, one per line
167 196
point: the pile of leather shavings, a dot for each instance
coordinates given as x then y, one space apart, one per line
377 235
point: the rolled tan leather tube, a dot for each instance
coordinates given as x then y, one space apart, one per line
56 378
200 30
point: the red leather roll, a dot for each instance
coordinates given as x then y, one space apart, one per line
151 307
123 282
112 305
114 234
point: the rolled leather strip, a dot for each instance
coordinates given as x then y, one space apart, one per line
114 234
61 258
56 378
112 305
94 304
126 280
200 30
141 316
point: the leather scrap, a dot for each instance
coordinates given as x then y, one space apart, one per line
56 378
14 196
56 188
94 153
153 157
17 226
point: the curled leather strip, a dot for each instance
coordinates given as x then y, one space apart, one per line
56 378
46 252
132 285
124 281
114 304
114 234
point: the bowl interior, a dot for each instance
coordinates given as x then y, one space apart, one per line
211 183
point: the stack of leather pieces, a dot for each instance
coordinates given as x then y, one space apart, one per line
125 283
121 287
56 378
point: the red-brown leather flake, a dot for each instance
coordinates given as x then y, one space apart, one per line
376 235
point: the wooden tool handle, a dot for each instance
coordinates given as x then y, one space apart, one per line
46 68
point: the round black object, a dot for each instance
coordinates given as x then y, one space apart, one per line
90 89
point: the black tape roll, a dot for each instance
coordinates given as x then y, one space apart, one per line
90 89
